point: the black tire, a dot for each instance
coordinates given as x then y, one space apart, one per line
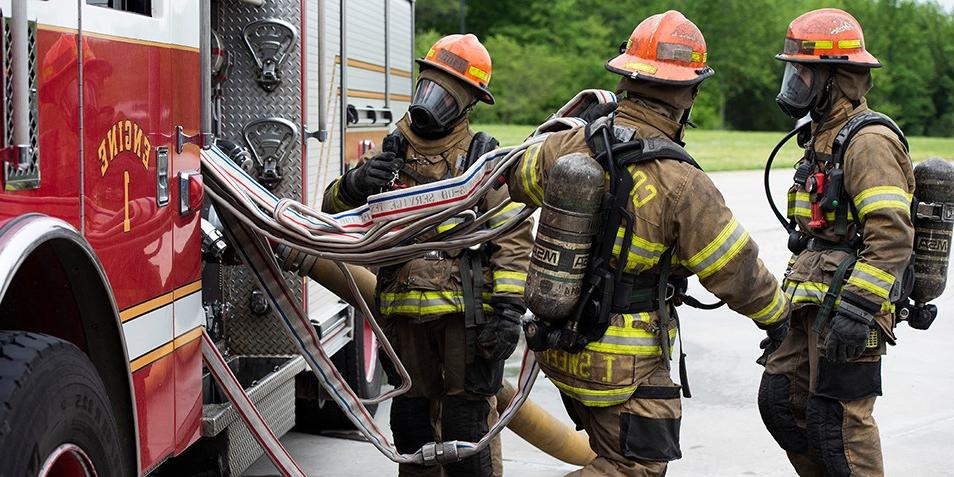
50 395
314 411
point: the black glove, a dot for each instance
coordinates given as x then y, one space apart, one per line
598 111
498 338
776 334
847 339
371 177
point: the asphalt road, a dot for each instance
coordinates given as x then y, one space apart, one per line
722 434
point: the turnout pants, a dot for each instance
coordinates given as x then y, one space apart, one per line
638 437
449 399
820 411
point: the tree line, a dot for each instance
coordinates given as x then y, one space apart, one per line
544 51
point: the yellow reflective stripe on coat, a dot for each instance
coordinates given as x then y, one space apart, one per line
506 281
884 197
872 279
720 250
800 205
643 254
814 293
421 303
630 340
596 397
528 174
771 313
508 212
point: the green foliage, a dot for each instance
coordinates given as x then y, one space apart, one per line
737 150
544 51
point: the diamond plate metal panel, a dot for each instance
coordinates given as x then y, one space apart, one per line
245 101
16 178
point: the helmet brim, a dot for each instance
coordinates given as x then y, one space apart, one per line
657 71
862 59
483 93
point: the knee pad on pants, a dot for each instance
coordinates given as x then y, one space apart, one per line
466 420
824 418
775 406
411 423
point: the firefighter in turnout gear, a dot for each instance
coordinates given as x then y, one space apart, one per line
852 239
618 386
453 318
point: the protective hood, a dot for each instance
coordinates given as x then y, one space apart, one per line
676 97
853 83
434 147
439 102
650 117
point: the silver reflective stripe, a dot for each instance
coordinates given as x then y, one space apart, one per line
886 197
637 250
629 341
779 303
723 249
510 281
410 301
858 273
503 217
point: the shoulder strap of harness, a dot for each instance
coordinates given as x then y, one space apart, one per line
855 125
838 148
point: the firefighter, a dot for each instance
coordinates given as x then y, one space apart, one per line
453 318
819 386
618 386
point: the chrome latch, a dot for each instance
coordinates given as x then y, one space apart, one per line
270 140
270 41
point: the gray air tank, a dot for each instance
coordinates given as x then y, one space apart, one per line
933 221
561 249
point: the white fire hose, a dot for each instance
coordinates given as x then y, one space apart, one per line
392 228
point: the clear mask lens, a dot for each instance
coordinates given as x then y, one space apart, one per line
433 107
798 83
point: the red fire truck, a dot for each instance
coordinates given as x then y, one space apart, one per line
110 264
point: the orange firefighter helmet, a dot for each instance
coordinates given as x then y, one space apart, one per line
464 57
827 35
664 48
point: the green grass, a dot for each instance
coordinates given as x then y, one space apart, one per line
738 150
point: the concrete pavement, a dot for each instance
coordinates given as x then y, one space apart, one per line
722 434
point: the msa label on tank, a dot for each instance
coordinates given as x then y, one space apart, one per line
932 243
546 256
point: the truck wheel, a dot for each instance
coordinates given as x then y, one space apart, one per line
55 418
358 362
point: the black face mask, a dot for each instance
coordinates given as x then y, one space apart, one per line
799 92
433 110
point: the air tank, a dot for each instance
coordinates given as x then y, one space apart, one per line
561 249
933 221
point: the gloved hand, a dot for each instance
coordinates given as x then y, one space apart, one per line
847 338
776 334
371 177
598 111
498 338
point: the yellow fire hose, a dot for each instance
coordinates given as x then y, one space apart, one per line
536 426
532 422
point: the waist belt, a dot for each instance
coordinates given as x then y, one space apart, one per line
816 244
638 293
